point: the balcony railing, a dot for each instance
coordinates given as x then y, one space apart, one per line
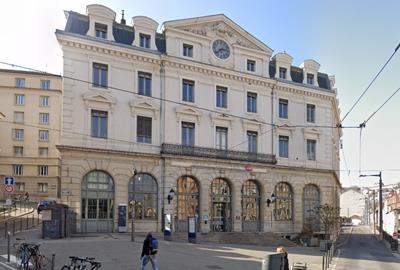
205 152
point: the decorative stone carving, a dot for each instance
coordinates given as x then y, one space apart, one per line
222 30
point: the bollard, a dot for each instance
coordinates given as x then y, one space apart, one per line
5 229
8 246
27 223
133 232
13 226
53 261
323 262
33 220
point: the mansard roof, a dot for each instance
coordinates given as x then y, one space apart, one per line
79 24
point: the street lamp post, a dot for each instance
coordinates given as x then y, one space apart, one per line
380 202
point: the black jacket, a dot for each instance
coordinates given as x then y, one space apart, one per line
146 250
286 262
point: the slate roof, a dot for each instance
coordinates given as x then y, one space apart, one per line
297 75
123 34
79 24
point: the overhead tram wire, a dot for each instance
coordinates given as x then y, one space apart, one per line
41 127
380 107
369 85
183 104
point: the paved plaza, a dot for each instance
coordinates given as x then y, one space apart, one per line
116 251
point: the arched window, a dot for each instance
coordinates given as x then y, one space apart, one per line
284 202
187 201
250 206
143 196
311 200
221 208
97 198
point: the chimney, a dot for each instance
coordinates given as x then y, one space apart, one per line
123 19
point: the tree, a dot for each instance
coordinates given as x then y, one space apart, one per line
329 217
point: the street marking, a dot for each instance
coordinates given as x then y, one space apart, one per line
7 266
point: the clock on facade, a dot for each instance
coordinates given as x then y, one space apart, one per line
221 49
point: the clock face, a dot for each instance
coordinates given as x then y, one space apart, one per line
221 49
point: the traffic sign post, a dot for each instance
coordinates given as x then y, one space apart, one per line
9 188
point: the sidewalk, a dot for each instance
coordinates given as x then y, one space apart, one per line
116 252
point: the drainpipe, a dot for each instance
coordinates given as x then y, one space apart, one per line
162 138
272 117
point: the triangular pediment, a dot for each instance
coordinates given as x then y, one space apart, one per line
219 26
143 104
98 96
188 110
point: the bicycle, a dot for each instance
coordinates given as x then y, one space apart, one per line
78 263
28 255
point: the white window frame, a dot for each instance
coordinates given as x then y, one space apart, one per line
218 140
45 84
44 118
16 131
19 99
20 82
18 169
44 138
311 156
44 101
43 170
43 187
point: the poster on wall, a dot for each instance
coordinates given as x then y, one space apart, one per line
122 218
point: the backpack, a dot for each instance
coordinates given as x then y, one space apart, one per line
154 245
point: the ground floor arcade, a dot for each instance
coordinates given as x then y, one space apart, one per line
222 195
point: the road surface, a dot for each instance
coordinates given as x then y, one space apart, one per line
363 251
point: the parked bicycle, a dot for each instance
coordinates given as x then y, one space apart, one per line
78 263
28 256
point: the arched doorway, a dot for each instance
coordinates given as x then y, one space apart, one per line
97 197
284 202
311 201
250 207
142 195
187 202
221 206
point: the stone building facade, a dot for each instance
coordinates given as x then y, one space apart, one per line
30 130
197 107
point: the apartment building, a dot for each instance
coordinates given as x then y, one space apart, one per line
30 130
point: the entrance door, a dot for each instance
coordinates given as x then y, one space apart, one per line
250 207
187 203
97 210
221 208
220 219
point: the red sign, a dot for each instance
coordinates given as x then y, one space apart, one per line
9 188
248 168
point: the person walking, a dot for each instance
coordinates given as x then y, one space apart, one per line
149 251
281 249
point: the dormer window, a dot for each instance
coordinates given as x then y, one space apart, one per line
144 41
101 30
282 73
251 65
310 78
187 50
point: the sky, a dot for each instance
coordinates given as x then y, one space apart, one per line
350 39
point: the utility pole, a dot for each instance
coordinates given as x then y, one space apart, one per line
380 207
380 203
373 196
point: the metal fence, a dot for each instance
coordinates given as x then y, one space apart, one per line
328 256
394 243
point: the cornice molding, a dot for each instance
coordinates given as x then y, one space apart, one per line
175 62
